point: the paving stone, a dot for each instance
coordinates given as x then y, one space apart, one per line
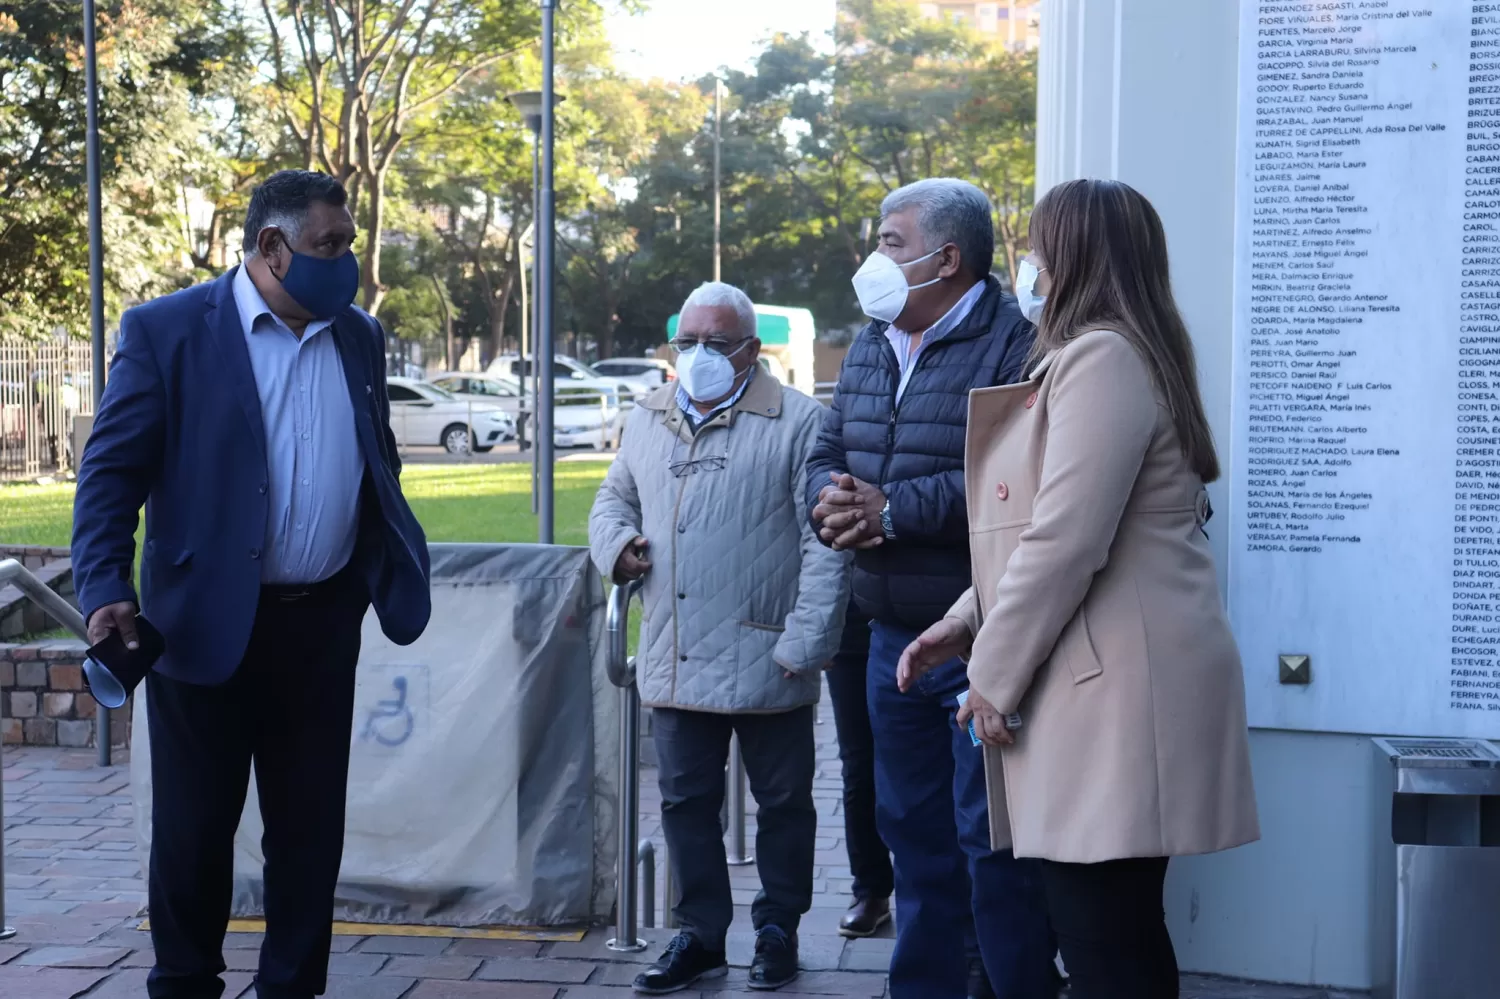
495 948
46 983
598 992
73 957
9 952
379 987
356 964
244 941
414 966
131 984
481 990
511 969
814 983
870 954
416 946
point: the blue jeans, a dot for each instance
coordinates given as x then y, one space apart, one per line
932 812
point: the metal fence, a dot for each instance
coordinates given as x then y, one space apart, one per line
43 385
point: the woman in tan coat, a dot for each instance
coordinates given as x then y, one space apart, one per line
1095 613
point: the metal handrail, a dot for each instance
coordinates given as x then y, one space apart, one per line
14 573
621 671
620 667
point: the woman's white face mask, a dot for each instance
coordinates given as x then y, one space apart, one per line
1030 302
881 285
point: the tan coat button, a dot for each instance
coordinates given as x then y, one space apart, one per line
1031 400
1002 491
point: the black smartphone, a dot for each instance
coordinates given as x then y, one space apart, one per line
125 667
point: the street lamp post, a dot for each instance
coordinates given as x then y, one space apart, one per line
718 117
96 264
545 243
536 108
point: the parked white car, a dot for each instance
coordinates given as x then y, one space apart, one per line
424 415
586 417
494 390
648 372
570 372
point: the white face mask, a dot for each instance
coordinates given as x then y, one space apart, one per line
1031 303
881 285
706 375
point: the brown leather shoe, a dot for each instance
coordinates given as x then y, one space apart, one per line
865 917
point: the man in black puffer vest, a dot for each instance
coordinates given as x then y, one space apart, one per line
886 478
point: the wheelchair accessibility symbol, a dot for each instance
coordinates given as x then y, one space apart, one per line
392 720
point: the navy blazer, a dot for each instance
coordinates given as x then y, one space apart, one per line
180 431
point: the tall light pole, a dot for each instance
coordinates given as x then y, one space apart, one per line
718 117
546 235
96 262
529 104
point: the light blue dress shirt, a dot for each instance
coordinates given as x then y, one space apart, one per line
901 340
314 466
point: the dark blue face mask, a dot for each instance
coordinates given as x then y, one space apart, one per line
322 286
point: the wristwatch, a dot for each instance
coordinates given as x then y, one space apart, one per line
885 522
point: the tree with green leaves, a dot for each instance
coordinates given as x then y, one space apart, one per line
160 62
359 80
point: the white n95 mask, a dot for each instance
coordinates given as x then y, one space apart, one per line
706 375
1026 297
881 285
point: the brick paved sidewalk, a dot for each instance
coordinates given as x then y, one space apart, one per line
74 891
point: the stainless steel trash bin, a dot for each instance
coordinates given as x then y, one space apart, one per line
1436 894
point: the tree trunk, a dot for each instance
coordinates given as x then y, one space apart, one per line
374 291
450 358
500 308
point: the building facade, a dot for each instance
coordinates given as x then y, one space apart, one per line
1013 23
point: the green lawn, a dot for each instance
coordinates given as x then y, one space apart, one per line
487 503
453 502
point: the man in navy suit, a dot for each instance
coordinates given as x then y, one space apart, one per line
250 417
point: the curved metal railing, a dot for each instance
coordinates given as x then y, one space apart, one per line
15 574
621 670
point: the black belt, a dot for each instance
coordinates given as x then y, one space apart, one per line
292 593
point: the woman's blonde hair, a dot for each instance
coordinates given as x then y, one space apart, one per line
1105 249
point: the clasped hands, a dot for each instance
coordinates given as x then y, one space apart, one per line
937 645
848 513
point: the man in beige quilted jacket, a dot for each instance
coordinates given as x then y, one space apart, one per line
743 609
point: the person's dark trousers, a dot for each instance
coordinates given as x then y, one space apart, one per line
692 749
869 860
288 711
933 813
1112 929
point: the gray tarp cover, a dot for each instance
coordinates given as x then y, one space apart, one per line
481 780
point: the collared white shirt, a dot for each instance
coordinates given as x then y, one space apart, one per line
900 340
314 466
697 419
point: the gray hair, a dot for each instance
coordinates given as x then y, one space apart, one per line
282 203
950 210
718 295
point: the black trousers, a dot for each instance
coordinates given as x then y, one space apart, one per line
288 711
692 749
1112 929
869 860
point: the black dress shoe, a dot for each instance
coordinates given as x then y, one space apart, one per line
686 961
865 917
775 961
